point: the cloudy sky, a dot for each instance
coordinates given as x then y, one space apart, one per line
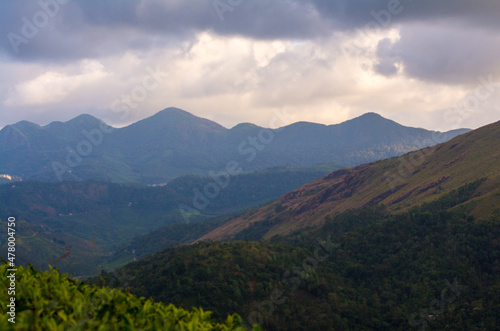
427 63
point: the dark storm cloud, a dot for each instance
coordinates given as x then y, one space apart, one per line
82 29
79 29
441 54
350 14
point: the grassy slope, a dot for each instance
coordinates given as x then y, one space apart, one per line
399 183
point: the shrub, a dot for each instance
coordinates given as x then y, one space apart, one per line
53 301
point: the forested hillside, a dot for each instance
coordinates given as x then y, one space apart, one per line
434 266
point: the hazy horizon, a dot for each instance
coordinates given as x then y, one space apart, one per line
226 127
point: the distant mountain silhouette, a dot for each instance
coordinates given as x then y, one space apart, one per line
174 142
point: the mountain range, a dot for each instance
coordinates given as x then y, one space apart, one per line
174 142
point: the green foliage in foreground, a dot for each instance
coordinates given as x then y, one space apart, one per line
52 301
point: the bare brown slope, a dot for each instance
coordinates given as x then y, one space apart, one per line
398 183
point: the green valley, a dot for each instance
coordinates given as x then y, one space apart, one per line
93 220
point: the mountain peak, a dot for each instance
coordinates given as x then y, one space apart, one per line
173 111
371 116
372 123
75 124
22 125
84 118
174 123
172 114
244 126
